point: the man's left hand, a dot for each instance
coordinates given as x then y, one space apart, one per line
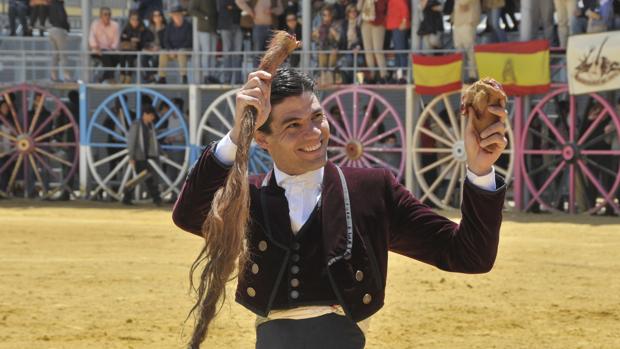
485 148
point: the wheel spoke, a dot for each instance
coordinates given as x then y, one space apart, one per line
222 119
366 162
337 156
47 167
337 140
344 159
383 150
367 115
37 112
441 124
231 105
374 125
6 135
110 158
162 175
382 163
108 145
543 167
164 118
594 140
451 184
54 157
8 101
169 132
8 125
451 116
355 113
115 119
47 121
536 193
124 180
37 174
552 128
600 152
174 147
435 137
438 180
14 173
609 198
432 150
380 136
542 152
542 136
571 189
601 168
57 144
171 163
596 122
126 113
344 118
213 131
115 170
8 162
436 164
53 132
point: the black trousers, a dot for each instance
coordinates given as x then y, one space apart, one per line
38 12
330 331
151 182
108 61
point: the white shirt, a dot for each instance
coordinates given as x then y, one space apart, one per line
302 193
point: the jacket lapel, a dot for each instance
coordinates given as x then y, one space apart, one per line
275 212
333 214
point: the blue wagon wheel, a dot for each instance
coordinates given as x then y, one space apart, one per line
218 119
38 143
107 154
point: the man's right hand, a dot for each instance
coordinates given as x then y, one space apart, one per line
256 93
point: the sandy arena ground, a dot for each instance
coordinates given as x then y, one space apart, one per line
93 275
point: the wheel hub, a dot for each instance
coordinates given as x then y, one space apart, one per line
24 144
458 151
570 152
354 150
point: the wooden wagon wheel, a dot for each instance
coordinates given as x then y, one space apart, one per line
366 130
107 153
439 157
39 143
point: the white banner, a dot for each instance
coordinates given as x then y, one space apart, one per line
593 62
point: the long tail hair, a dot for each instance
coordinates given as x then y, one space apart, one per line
225 226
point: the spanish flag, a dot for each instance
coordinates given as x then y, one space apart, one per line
521 67
434 75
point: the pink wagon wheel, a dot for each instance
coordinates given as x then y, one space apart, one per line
366 130
568 161
439 157
39 143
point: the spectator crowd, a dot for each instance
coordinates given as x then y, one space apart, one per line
341 31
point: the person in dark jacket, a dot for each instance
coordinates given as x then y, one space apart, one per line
206 14
350 40
145 8
150 61
431 27
293 27
58 36
133 38
177 41
18 9
39 9
318 246
229 25
144 150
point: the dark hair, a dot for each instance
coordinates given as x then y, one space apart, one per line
148 109
179 102
286 83
152 22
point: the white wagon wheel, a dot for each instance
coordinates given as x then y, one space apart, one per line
107 153
218 119
439 157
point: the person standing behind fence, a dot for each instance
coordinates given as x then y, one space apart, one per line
39 9
373 35
229 19
58 36
18 9
350 40
600 16
431 26
398 22
143 148
206 15
262 12
104 38
150 61
293 27
466 17
327 37
178 41
133 38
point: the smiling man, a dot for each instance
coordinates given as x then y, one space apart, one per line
319 235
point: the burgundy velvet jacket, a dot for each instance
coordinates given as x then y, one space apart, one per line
386 217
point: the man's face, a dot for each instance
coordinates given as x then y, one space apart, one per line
177 18
105 16
299 134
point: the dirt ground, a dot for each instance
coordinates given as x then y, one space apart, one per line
93 275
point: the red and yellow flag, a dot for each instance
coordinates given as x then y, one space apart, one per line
434 75
521 67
